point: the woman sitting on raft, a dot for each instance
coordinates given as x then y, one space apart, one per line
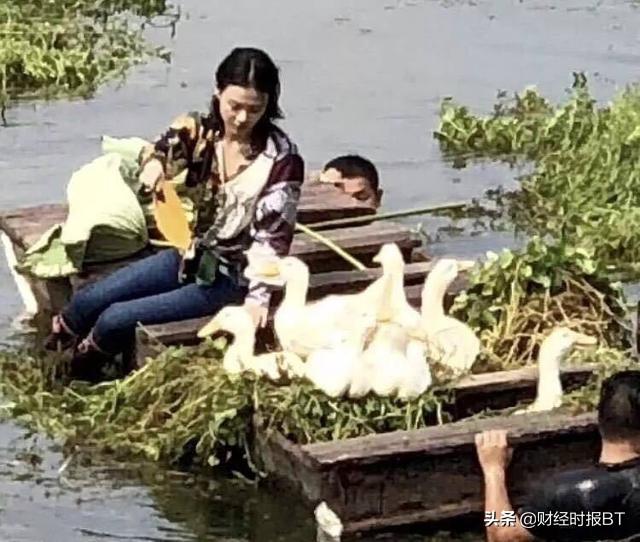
252 176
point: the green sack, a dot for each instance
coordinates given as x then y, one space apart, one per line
105 222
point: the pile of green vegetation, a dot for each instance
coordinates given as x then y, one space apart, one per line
70 47
515 299
183 403
584 187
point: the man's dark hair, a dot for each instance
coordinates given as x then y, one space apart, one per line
619 408
352 165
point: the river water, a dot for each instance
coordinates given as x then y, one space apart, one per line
363 76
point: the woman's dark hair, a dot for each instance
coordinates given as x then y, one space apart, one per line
252 68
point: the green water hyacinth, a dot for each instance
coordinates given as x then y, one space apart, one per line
70 47
515 298
583 184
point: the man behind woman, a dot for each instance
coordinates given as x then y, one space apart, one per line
247 175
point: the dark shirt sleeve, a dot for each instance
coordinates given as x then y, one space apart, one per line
274 222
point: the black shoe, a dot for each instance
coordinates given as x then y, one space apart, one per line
59 339
88 363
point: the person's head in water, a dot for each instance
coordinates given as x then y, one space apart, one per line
619 409
355 176
245 102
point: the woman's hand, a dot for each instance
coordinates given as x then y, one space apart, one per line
258 313
151 175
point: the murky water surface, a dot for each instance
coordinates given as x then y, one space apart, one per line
362 76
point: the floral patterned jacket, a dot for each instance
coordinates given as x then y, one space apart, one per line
255 210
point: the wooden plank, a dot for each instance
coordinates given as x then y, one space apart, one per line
24 226
503 389
431 475
277 454
184 331
439 439
151 338
362 242
23 230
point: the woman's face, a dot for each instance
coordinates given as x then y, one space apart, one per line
241 108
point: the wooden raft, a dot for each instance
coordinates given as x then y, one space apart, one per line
423 476
330 273
318 201
385 480
432 475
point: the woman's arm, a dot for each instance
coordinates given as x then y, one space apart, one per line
273 226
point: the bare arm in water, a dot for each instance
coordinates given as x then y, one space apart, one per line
494 455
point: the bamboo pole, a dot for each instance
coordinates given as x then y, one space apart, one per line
385 216
330 244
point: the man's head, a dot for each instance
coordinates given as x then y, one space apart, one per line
355 176
619 408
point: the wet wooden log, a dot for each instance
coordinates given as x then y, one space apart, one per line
423 476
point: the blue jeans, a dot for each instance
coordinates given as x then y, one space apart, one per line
147 292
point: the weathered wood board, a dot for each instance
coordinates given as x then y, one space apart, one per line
428 475
317 202
24 228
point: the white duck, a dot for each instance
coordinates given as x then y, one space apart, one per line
395 363
334 369
239 356
417 375
396 308
553 351
329 525
335 320
450 342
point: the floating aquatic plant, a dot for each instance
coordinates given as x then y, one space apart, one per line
583 188
607 361
515 298
70 47
184 403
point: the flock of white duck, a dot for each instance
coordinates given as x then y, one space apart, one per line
373 341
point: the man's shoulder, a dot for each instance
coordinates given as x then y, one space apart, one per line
590 488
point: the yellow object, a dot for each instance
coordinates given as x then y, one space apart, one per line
171 219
